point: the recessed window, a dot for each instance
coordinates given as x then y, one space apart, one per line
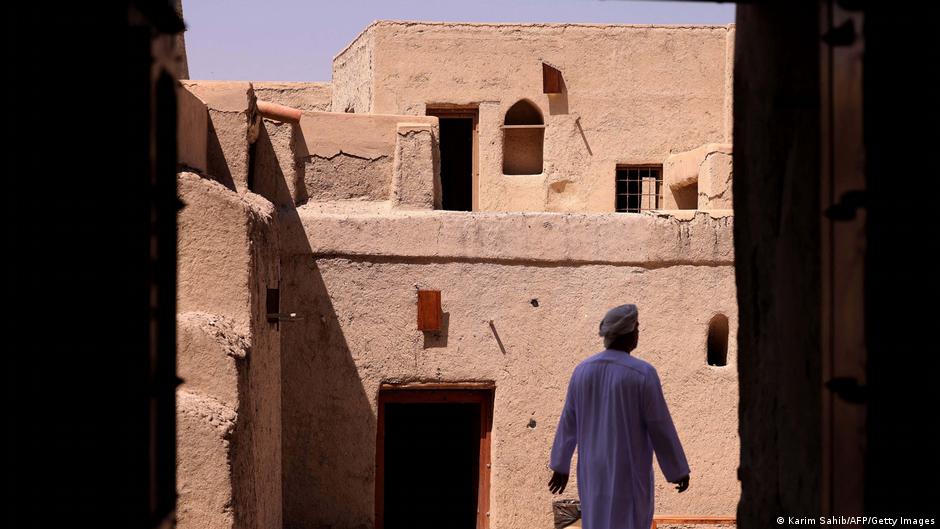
639 188
523 137
718 340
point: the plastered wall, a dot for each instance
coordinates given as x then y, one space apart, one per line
370 157
229 404
633 94
337 211
699 179
355 275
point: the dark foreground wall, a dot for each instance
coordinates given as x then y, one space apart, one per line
902 67
776 191
89 280
781 108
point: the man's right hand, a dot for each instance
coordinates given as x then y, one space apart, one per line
681 483
558 482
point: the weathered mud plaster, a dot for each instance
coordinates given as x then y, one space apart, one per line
229 357
353 80
213 250
208 352
633 95
192 131
327 134
219 134
729 86
699 179
354 278
277 166
229 105
277 172
416 182
309 97
204 467
211 360
645 240
339 218
352 156
714 182
343 176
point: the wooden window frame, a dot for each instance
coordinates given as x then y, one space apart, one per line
481 393
445 111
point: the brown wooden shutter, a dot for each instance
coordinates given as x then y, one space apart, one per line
551 79
429 310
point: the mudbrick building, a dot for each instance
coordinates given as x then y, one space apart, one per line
385 281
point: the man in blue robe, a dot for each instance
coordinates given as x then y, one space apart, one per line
616 415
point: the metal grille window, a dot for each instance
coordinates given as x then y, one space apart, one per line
639 187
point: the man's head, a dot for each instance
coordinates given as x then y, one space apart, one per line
620 328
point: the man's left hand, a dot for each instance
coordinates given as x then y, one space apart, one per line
681 483
558 482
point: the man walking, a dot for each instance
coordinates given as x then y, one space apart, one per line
616 414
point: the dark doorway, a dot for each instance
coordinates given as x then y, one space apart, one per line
433 450
458 128
432 453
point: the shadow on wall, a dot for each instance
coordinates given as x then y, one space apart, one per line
299 148
327 422
276 178
433 339
219 170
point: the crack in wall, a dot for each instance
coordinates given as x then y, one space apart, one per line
345 154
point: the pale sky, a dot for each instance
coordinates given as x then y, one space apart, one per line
295 40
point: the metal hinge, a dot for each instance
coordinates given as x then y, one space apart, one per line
841 35
848 389
284 316
847 206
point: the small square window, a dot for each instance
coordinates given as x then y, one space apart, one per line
639 188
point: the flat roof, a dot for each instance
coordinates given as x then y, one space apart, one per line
527 25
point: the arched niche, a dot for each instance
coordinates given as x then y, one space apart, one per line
523 137
718 341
